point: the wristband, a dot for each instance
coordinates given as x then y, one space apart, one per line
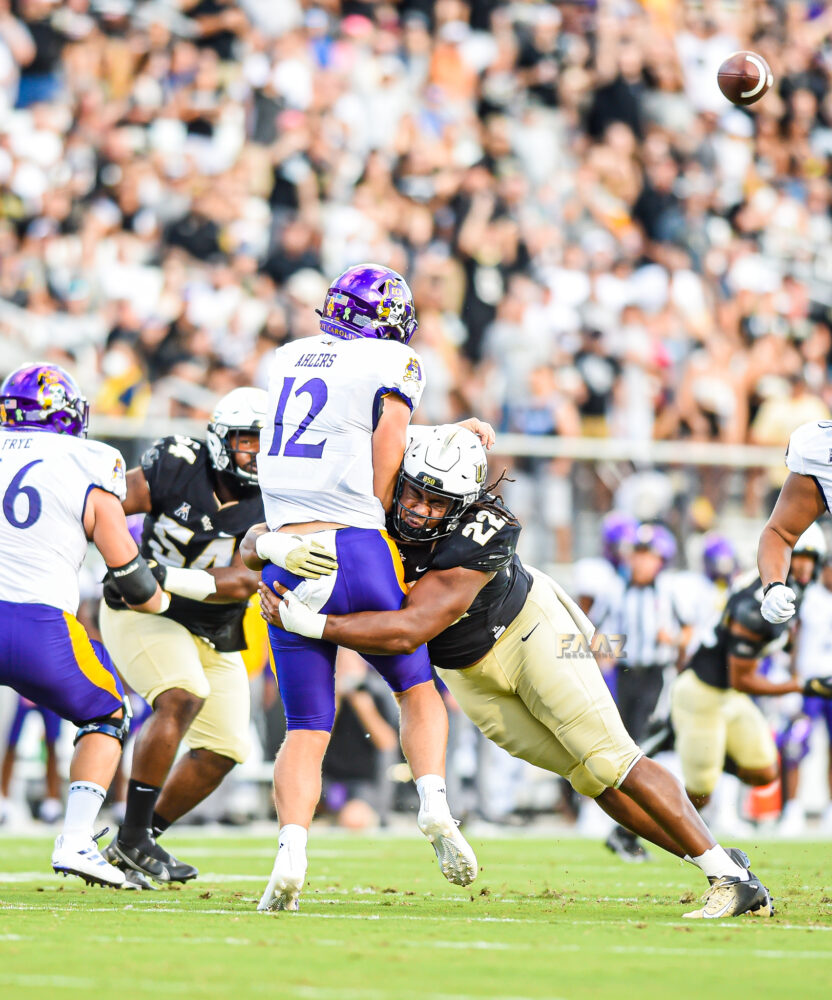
195 584
774 583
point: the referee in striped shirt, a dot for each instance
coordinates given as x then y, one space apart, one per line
646 613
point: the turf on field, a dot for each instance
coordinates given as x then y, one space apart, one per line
545 919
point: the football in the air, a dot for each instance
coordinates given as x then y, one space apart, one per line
744 77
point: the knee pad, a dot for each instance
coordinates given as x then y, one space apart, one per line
108 726
584 783
603 770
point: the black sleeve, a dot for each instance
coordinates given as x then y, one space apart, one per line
165 464
483 542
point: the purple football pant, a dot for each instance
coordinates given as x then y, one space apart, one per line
46 655
51 722
819 708
369 578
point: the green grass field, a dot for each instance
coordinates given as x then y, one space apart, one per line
555 918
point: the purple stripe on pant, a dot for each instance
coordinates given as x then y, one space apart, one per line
38 660
366 581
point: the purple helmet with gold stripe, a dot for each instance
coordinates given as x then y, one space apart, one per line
45 397
369 300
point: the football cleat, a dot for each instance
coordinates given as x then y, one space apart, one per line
729 896
286 882
135 880
627 846
457 860
739 857
147 857
85 861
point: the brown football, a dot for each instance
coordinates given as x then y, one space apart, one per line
744 77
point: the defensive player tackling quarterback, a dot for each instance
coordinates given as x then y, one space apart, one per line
500 634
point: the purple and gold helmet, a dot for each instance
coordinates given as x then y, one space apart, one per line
719 557
618 532
44 397
369 300
657 538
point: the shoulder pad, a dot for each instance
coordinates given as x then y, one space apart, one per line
484 540
810 448
105 467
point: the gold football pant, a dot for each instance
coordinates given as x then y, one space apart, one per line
712 723
155 654
541 704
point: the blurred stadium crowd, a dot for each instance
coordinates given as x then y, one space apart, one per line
598 243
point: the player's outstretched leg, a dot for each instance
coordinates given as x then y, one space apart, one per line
424 736
289 872
297 790
96 756
456 857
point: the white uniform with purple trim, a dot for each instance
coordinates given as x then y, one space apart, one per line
44 482
810 454
316 460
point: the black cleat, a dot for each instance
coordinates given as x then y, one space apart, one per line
627 846
739 857
729 896
147 857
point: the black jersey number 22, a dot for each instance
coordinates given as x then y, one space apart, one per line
477 531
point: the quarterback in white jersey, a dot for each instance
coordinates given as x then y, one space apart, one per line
340 404
326 397
58 490
805 496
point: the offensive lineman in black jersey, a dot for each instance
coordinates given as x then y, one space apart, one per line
500 635
712 713
199 498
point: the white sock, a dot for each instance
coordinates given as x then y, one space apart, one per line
293 837
715 863
82 806
431 786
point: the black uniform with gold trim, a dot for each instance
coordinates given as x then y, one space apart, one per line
484 540
710 660
189 527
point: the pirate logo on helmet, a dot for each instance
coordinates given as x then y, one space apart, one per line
392 310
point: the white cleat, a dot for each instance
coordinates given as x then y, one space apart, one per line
457 860
285 884
87 862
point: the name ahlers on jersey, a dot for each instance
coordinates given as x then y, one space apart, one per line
485 540
189 527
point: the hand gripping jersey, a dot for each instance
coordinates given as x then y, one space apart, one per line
710 659
44 483
315 461
485 540
187 526
809 453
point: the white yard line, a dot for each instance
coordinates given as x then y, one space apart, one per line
150 906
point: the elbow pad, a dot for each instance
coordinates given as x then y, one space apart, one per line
134 581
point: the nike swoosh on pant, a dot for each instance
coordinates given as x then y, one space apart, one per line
526 636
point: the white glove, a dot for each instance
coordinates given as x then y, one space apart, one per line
294 553
298 618
778 604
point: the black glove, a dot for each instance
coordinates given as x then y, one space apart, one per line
112 595
818 687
